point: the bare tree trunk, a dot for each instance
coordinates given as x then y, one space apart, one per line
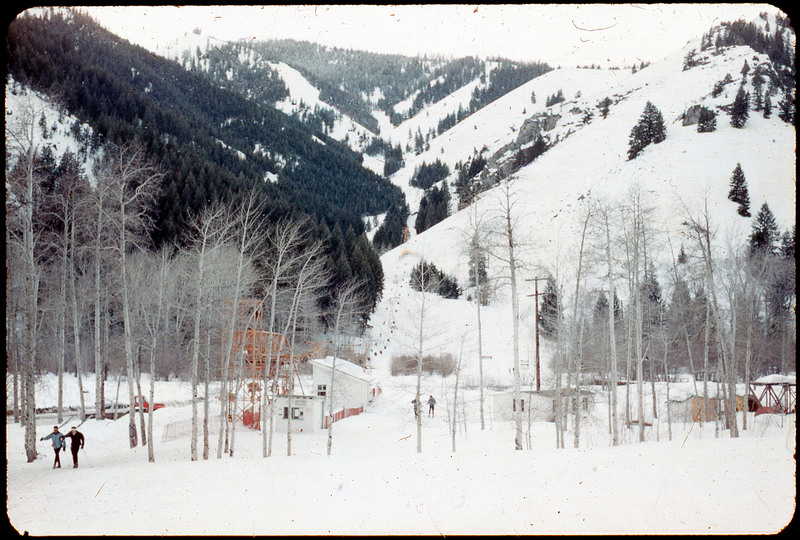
286 237
134 182
612 335
98 359
579 360
61 340
76 322
21 142
140 394
150 450
477 256
420 344
453 423
747 358
348 304
206 380
706 336
511 260
703 236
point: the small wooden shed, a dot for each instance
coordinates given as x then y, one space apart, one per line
694 408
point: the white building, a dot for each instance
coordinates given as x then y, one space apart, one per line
352 386
537 405
307 413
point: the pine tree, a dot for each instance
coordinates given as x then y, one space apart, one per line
655 123
767 107
706 121
649 129
738 192
765 237
739 108
786 107
477 274
603 106
637 140
549 311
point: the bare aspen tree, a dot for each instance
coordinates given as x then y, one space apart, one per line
452 418
155 283
285 240
133 182
428 282
755 268
577 331
99 201
309 280
700 230
349 306
63 201
210 230
476 242
603 213
506 250
248 238
72 215
635 287
23 192
741 274
230 275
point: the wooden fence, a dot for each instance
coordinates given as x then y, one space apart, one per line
344 413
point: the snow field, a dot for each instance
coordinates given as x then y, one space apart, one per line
375 483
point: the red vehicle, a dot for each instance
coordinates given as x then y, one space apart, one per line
156 406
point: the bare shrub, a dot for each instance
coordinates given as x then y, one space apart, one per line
405 364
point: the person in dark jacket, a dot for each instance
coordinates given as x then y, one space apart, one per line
58 445
431 404
76 438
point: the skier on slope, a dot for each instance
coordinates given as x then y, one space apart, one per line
76 438
431 403
58 445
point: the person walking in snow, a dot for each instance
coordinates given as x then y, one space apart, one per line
416 408
431 403
76 438
58 445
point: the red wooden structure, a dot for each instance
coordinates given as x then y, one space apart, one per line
777 397
259 355
340 415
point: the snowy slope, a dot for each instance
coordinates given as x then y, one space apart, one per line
683 480
21 100
302 91
552 193
375 483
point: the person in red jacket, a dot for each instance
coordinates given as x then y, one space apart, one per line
76 438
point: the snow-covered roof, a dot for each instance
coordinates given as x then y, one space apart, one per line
343 366
776 379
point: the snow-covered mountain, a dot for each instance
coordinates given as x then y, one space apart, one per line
679 177
586 163
375 481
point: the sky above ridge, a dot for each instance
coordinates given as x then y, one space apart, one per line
559 34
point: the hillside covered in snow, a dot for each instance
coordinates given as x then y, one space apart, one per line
576 262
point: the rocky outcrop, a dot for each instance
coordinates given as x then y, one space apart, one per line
535 126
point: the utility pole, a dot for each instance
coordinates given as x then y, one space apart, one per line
536 324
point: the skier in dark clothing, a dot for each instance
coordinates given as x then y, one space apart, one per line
58 445
431 403
77 443
416 407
